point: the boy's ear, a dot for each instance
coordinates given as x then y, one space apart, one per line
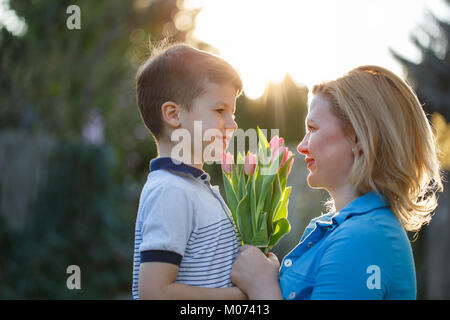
170 114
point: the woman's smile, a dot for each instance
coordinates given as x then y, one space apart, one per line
326 140
310 163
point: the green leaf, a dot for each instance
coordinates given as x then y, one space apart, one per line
251 179
268 200
264 152
262 139
265 188
240 158
240 164
282 227
241 186
231 196
284 172
234 177
282 209
276 196
261 237
257 176
242 183
252 198
267 181
244 219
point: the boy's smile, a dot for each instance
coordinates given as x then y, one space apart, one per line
214 108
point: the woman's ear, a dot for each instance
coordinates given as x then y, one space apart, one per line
170 114
357 146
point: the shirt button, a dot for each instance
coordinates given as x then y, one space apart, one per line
310 244
287 263
292 295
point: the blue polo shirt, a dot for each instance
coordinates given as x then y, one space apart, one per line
359 253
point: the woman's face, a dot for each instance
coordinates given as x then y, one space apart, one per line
328 152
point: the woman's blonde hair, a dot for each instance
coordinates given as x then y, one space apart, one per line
399 152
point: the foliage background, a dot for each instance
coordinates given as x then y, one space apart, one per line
74 154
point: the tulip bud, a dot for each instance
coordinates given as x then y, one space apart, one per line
227 161
292 162
281 150
250 163
276 143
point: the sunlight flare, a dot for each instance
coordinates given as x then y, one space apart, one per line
311 40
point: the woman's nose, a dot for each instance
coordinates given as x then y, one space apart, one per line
302 148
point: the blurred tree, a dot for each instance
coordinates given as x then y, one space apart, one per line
76 88
283 107
69 83
78 219
431 80
431 77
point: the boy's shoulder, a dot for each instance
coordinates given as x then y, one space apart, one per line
166 182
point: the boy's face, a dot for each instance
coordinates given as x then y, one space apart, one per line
210 122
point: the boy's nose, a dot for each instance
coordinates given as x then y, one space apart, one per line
232 125
235 125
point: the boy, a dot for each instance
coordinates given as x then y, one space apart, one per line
185 239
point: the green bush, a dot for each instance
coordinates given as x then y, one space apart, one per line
77 219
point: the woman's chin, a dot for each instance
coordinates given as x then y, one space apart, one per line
311 179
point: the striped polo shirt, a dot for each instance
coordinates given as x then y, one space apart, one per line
183 220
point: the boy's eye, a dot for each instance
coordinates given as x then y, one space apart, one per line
220 110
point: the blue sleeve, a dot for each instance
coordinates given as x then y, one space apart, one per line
352 266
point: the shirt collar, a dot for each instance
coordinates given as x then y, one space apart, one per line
361 205
167 163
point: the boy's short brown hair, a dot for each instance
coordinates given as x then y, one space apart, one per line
179 74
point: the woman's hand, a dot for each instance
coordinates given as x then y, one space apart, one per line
256 274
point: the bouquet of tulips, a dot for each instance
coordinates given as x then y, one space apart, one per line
257 193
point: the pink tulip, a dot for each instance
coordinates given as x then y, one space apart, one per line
250 163
281 150
276 143
227 161
292 162
286 155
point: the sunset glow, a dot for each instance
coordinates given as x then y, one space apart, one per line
310 40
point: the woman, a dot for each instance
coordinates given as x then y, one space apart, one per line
370 145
